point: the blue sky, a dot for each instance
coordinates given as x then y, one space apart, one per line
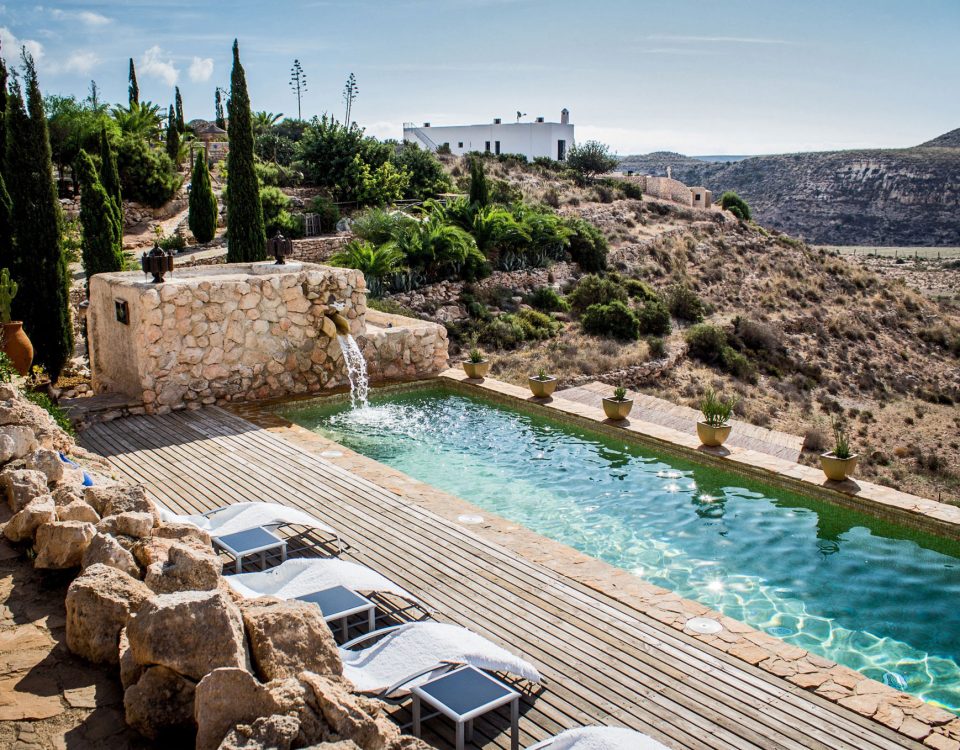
737 77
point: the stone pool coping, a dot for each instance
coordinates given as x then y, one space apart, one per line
906 714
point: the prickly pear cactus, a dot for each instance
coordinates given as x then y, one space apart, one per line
8 290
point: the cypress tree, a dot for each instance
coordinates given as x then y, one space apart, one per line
246 237
110 178
3 110
202 218
6 225
133 90
479 192
181 126
218 111
100 243
173 136
38 263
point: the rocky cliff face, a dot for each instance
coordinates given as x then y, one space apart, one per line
873 197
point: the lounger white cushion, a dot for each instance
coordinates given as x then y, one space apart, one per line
601 738
300 576
417 646
244 516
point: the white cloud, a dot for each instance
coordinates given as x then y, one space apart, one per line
93 19
153 64
201 69
10 45
81 62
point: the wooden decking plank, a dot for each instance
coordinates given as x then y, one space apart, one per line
259 445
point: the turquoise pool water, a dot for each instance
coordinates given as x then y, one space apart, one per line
879 598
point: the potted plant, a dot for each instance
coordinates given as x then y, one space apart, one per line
16 345
839 463
541 384
715 426
619 406
476 366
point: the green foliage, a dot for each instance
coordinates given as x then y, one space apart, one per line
595 290
426 175
7 369
327 155
381 186
379 225
72 125
178 111
841 443
59 415
8 290
246 233
654 318
277 175
590 159
276 217
549 234
376 263
658 347
110 178
497 231
710 344
546 298
275 148
736 205
588 246
684 304
479 192
630 189
37 261
203 214
173 136
716 411
510 330
173 243
502 191
6 213
614 319
640 290
619 393
475 356
140 120
101 244
327 211
219 119
133 90
147 175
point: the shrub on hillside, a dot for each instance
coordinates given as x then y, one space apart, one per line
631 190
590 159
327 211
658 347
278 175
654 318
510 330
427 177
710 345
588 246
147 175
736 205
614 319
684 304
640 290
276 218
595 290
505 192
546 298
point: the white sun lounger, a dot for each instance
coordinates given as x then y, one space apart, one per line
231 519
302 575
600 738
413 653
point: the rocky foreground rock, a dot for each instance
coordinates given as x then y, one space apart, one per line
196 663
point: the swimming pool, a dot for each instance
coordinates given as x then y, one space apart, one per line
877 597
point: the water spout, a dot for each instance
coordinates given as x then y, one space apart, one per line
342 324
356 369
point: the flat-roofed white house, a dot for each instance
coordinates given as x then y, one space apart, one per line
532 139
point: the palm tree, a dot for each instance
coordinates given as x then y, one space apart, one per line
496 230
263 122
142 120
376 263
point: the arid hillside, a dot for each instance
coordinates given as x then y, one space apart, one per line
818 337
907 196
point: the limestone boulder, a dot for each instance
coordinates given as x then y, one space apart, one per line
78 510
350 716
228 697
130 523
150 550
98 604
191 632
109 500
289 637
24 524
65 494
182 532
106 550
16 441
20 486
130 671
61 544
48 463
266 733
160 703
186 568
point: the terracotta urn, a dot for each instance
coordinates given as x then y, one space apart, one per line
17 346
711 435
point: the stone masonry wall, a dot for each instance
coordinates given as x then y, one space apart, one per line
399 348
664 188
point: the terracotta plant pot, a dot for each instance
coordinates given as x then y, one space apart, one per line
713 436
17 346
838 469
542 388
617 409
477 369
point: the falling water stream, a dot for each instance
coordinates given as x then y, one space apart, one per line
356 370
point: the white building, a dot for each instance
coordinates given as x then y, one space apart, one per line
532 139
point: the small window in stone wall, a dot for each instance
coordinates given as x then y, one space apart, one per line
696 197
123 311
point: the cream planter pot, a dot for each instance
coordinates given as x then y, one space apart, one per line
617 409
713 436
477 369
838 469
542 388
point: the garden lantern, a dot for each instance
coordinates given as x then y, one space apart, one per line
279 247
158 262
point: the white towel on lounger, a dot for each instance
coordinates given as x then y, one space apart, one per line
421 645
301 576
246 516
604 738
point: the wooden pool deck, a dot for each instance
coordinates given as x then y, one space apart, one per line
604 661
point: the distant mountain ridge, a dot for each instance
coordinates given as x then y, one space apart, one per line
908 196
